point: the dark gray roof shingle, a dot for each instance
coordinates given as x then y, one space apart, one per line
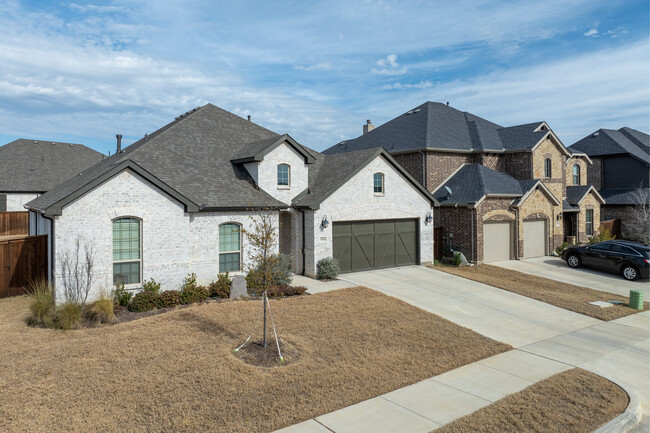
38 165
615 142
622 196
473 181
575 194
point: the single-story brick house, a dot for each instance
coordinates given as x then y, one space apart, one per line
508 184
180 199
28 168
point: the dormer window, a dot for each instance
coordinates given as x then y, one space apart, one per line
378 183
284 175
547 168
576 174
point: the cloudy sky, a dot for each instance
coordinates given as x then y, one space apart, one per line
317 70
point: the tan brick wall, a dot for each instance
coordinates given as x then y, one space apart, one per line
539 207
589 202
583 171
492 161
548 149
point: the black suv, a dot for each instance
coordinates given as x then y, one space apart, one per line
630 259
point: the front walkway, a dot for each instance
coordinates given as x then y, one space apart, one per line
547 340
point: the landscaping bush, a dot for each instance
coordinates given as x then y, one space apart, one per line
189 282
604 235
122 296
286 290
221 287
102 310
456 261
68 315
280 273
170 299
41 302
144 301
151 286
194 293
559 250
328 268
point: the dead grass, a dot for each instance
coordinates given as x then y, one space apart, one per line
176 371
563 295
574 401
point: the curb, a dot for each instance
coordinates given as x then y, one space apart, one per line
626 421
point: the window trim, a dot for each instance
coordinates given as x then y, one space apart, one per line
131 285
576 167
548 168
241 247
383 184
277 176
589 226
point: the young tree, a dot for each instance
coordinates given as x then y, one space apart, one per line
638 227
77 271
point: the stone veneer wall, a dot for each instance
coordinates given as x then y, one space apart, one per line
589 202
539 207
492 209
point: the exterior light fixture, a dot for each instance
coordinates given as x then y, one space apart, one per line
428 218
559 216
324 223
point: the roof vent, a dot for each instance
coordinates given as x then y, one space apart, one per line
53 144
249 117
447 103
368 126
595 134
448 192
35 142
71 145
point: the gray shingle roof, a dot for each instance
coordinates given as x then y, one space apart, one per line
433 125
622 196
575 194
255 151
38 165
568 207
615 142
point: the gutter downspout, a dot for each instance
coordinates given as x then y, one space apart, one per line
303 242
472 214
516 232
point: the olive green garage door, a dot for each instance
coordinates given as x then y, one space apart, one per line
365 245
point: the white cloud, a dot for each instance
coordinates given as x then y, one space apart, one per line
400 86
389 66
389 61
95 8
592 32
324 66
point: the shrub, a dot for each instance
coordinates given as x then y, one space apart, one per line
121 295
190 281
328 268
559 250
151 286
67 315
221 287
102 309
41 302
277 291
604 235
170 299
456 261
144 301
280 273
194 293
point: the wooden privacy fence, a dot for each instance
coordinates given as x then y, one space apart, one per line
614 227
14 223
21 261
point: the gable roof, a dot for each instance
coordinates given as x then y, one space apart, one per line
575 194
255 152
437 126
39 165
190 156
623 196
330 172
615 142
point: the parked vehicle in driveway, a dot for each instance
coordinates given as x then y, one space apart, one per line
630 259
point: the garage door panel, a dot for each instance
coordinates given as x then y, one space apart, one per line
497 241
363 248
534 238
343 249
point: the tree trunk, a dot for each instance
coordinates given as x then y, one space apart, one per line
264 301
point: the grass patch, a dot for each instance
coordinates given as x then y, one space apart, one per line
574 401
176 371
563 295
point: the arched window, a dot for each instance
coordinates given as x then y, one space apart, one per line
284 175
230 247
127 250
378 183
576 174
547 168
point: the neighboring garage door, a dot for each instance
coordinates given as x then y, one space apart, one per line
365 245
534 238
496 241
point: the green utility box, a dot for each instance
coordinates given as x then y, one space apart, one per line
636 299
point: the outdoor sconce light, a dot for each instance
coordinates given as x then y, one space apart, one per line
428 218
324 223
559 216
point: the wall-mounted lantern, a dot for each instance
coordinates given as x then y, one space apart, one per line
324 223
428 218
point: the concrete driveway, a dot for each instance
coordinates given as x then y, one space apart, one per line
557 269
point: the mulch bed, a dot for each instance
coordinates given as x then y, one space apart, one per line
574 401
563 295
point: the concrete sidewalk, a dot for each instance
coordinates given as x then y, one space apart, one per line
548 340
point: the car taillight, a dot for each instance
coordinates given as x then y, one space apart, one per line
646 260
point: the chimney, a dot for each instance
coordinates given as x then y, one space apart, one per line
447 103
119 143
368 126
249 117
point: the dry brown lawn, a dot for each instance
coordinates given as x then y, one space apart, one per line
176 371
563 295
574 401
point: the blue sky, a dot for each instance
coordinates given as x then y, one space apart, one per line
317 70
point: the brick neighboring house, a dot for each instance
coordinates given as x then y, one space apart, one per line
621 165
503 190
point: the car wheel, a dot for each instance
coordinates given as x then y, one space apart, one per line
574 261
630 272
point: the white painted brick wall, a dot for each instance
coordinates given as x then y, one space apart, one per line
266 175
356 201
16 202
174 243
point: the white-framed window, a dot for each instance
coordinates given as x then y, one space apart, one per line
284 175
547 168
576 174
230 247
378 183
127 250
